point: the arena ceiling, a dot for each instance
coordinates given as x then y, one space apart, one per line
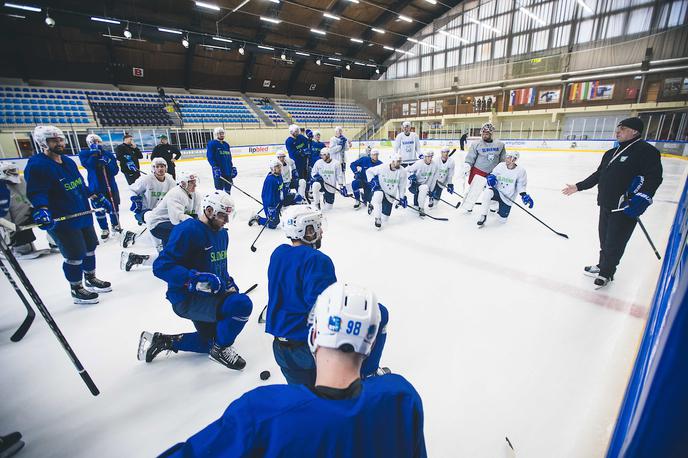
335 33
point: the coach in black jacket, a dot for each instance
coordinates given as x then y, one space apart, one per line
128 155
167 152
626 180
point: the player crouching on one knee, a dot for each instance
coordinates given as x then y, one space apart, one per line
290 175
346 415
360 166
388 185
326 179
445 174
274 196
506 181
422 176
199 287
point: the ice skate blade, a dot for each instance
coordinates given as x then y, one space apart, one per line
144 344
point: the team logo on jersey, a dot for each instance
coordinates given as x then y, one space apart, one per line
334 324
72 185
217 256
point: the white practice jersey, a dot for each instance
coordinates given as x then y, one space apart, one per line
510 182
445 171
392 182
151 189
287 169
331 173
338 147
486 155
177 206
425 173
408 146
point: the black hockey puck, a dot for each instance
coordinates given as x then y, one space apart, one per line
265 375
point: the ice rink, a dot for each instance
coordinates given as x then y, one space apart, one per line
497 328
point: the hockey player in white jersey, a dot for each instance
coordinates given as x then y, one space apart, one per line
388 182
290 175
326 179
407 144
445 174
148 191
506 181
338 147
179 204
422 177
481 159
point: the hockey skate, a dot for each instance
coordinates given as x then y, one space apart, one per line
254 220
357 205
370 209
104 234
96 285
227 356
128 260
151 345
601 281
128 239
481 221
10 444
378 223
28 251
431 202
591 271
83 296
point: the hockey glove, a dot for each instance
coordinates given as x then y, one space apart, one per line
636 183
315 179
527 200
294 176
343 191
203 282
231 287
136 204
99 201
298 198
403 202
413 179
637 205
272 213
234 172
375 184
491 180
450 188
466 169
43 217
217 173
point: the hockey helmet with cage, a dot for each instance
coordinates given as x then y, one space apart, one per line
158 161
297 220
217 131
93 138
513 154
183 178
294 129
487 127
220 202
9 171
346 317
41 135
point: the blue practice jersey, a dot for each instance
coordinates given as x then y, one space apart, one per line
272 190
193 245
364 163
316 147
384 420
296 277
58 187
219 155
95 160
297 148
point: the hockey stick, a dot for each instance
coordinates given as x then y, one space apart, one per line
30 314
240 190
642 226
418 210
48 318
253 245
337 191
263 315
561 234
452 152
255 285
62 218
115 207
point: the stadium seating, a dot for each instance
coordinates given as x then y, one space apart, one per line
211 109
131 114
325 112
269 111
22 106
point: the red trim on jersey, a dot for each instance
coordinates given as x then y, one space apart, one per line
475 171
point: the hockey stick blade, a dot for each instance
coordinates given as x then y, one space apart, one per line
262 316
30 313
24 327
452 152
561 234
89 382
255 285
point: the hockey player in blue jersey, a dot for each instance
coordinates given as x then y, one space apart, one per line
101 168
297 274
274 196
194 265
315 147
360 183
56 188
342 415
297 147
220 159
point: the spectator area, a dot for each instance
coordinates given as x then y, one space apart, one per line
211 109
315 111
22 106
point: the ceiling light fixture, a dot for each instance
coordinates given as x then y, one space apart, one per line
356 40
318 61
485 26
334 59
267 48
162 29
185 41
16 16
405 18
242 51
226 40
348 67
269 19
283 56
22 7
318 31
377 70
102 19
376 30
209 6
388 48
305 54
331 16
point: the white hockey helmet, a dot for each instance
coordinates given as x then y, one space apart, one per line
316 133
338 130
9 171
325 152
220 202
444 149
217 131
41 135
429 152
158 161
274 162
297 220
184 177
93 138
406 124
294 129
395 157
513 154
281 153
375 152
346 317
487 127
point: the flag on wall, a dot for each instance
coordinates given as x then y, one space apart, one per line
590 90
525 96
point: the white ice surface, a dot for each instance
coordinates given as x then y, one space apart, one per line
497 328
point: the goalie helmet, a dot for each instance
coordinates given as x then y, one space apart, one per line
9 172
487 127
513 154
294 129
346 317
297 220
183 178
217 131
41 135
220 202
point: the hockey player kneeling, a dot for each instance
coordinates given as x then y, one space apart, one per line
506 180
